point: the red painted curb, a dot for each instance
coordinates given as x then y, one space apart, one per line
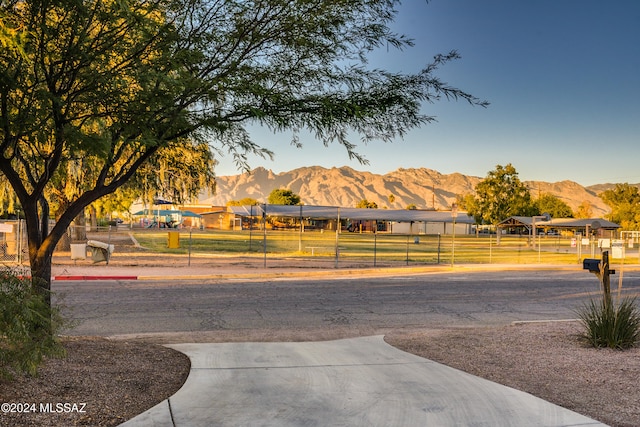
95 278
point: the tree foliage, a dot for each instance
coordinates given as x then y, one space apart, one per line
500 195
584 210
283 196
177 172
247 201
91 91
624 201
365 204
553 205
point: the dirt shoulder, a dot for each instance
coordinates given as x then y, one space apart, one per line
120 379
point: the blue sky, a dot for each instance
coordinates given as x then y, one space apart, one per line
562 77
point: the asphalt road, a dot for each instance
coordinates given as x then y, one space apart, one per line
354 305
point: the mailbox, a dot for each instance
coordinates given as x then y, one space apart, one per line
591 264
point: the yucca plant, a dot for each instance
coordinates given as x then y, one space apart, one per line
609 325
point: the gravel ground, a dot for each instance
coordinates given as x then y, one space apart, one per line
109 382
119 379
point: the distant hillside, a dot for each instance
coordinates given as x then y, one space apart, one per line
599 188
425 188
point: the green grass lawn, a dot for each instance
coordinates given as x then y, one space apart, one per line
427 249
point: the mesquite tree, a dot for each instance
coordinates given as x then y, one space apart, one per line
500 195
101 85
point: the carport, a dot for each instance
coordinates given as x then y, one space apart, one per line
402 221
597 227
165 218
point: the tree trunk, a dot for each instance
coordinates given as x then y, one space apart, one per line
93 218
41 275
79 233
64 244
40 249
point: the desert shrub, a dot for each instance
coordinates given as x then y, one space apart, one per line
28 326
611 325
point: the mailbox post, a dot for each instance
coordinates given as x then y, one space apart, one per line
600 269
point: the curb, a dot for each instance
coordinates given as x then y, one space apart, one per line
320 273
70 278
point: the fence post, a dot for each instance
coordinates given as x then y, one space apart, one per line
490 248
250 226
301 231
375 246
19 241
606 281
189 259
407 258
264 233
337 236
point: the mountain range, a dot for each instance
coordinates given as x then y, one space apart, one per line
422 187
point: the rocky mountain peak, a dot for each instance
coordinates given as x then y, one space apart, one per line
345 186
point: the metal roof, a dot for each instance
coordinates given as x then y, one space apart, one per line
165 212
355 214
527 221
579 223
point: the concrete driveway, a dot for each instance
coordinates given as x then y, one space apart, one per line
350 382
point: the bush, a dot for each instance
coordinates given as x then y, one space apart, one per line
608 325
28 326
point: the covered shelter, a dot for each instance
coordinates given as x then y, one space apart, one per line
218 219
584 226
166 218
405 221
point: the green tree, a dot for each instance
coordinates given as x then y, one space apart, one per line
177 172
624 201
466 202
584 210
247 201
118 202
548 203
283 196
8 200
500 195
110 83
365 204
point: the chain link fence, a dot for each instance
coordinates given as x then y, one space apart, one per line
320 245
13 242
328 248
